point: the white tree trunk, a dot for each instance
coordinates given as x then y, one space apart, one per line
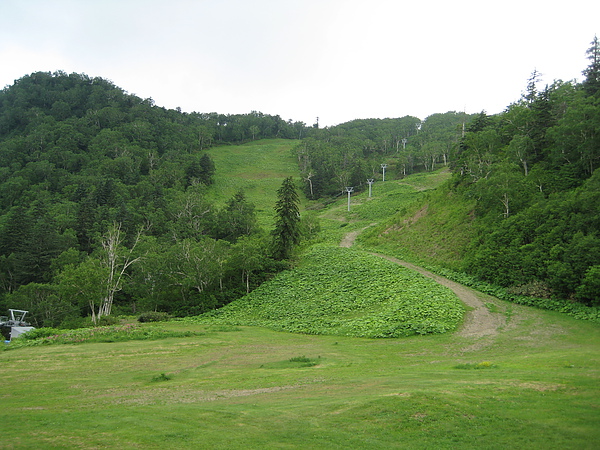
117 265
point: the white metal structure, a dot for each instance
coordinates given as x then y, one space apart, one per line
349 190
370 181
383 166
15 325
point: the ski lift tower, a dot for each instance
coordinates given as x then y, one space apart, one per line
370 181
349 190
383 166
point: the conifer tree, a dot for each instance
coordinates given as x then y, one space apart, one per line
207 169
286 234
592 72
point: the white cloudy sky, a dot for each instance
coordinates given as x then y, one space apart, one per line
334 59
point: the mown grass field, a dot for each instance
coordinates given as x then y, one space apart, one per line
534 384
531 382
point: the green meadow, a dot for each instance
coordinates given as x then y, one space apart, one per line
296 363
533 383
257 168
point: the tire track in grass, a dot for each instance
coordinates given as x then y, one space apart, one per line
479 321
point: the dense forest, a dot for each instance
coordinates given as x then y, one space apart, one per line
92 178
533 171
350 153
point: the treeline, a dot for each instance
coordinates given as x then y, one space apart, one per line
533 171
350 153
92 177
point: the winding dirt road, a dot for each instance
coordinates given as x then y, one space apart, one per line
479 321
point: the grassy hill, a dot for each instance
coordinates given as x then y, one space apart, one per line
258 168
339 291
434 230
528 381
389 200
342 292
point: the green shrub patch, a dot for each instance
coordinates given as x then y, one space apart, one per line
154 316
340 291
119 333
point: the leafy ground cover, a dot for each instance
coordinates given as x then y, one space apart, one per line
340 291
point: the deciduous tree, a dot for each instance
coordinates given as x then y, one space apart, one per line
116 259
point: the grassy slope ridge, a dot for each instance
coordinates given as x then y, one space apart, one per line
340 291
257 168
433 230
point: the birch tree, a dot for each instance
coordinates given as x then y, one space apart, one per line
116 259
248 257
196 265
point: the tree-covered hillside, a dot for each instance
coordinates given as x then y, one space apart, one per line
523 208
92 178
106 197
350 153
534 172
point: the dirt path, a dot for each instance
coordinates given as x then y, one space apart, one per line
349 238
479 321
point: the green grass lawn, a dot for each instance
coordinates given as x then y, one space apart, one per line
259 168
534 384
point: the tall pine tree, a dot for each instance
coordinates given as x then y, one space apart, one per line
286 234
592 72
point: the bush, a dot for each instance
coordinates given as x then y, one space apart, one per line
106 321
162 377
154 316
39 333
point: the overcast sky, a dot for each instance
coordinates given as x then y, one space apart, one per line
338 60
